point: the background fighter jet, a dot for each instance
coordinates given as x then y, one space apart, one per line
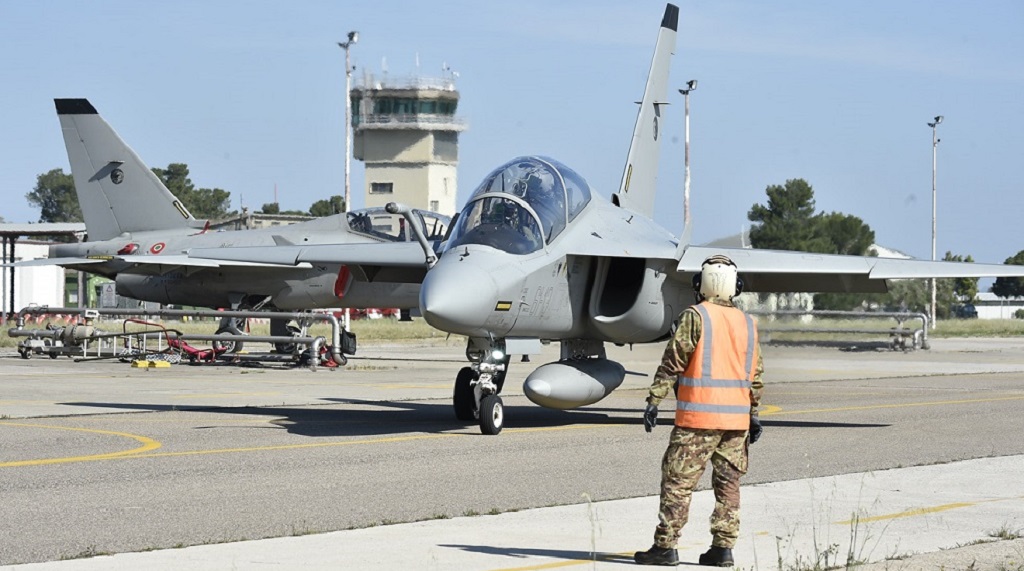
536 256
139 233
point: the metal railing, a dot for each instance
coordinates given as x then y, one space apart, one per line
901 337
84 337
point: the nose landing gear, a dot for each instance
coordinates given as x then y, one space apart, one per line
475 396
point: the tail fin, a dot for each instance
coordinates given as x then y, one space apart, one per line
116 190
636 191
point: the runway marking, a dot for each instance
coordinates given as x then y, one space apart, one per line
780 412
923 511
147 445
227 395
150 444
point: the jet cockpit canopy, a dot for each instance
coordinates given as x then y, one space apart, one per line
521 205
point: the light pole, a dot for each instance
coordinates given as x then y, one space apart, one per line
690 86
935 149
353 37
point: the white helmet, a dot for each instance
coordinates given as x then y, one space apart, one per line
718 278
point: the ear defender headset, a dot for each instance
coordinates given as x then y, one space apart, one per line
716 259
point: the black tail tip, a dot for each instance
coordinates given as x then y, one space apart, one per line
671 19
74 107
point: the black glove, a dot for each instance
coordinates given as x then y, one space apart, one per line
755 428
650 417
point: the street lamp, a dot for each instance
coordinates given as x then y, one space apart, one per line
353 37
690 86
935 149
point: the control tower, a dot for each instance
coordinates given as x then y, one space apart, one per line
406 133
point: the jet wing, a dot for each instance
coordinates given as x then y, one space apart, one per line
190 262
402 262
381 254
55 262
783 271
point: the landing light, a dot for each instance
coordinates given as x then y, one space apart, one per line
498 355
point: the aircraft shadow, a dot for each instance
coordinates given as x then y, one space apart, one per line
389 418
568 555
384 419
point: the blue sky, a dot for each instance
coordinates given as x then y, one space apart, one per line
250 95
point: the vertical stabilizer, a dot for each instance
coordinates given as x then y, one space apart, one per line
636 191
118 193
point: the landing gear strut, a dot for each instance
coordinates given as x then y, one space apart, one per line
475 396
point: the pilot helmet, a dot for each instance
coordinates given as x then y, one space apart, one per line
718 279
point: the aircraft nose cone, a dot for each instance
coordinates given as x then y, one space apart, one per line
458 297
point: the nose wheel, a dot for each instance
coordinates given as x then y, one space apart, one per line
463 399
475 396
492 414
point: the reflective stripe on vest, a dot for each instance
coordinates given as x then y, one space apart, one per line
714 390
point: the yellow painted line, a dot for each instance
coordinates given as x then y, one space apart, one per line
226 395
923 511
147 445
897 405
617 557
150 444
910 513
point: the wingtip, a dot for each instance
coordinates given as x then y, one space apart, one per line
671 19
74 107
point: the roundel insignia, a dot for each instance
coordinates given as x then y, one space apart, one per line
157 248
116 176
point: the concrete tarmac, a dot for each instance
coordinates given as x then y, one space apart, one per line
946 515
928 517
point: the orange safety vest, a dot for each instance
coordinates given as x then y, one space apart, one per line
714 390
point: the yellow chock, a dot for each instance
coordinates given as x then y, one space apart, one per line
141 364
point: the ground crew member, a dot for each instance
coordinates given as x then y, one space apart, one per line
714 362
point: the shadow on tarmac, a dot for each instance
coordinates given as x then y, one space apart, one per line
552 553
386 418
389 418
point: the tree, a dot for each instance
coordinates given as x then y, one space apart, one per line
962 288
786 223
845 233
55 196
203 203
271 208
335 205
1010 287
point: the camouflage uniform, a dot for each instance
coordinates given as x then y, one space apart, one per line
689 449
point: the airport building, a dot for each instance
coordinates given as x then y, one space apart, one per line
406 133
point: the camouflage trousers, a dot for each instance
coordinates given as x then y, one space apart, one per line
689 450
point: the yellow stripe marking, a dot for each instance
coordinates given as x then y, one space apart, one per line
910 513
923 511
150 444
147 445
226 395
781 412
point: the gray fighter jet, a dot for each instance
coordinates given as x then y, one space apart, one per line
139 233
536 256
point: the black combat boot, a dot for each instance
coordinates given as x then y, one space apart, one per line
657 556
717 557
